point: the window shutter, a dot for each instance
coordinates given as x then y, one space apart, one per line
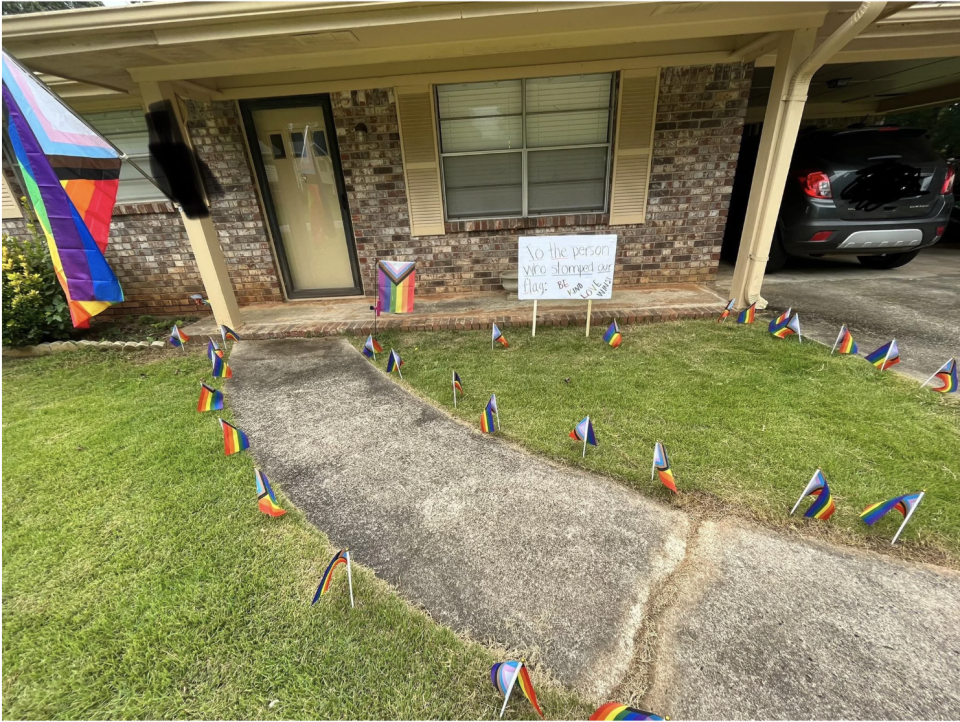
421 169
11 207
636 118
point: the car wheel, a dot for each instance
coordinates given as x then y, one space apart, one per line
888 260
778 254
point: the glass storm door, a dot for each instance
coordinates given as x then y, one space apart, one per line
294 148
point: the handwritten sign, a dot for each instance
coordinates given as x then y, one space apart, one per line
566 267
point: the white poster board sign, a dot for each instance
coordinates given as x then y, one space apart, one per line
566 267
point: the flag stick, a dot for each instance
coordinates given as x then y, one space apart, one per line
534 318
909 514
399 372
513 683
589 314
585 438
934 374
491 338
453 383
804 494
836 342
653 466
887 355
349 577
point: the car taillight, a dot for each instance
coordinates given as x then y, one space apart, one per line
948 181
940 230
816 185
821 236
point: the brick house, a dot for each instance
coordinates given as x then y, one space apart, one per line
341 134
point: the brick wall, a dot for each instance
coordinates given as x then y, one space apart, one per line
699 122
149 250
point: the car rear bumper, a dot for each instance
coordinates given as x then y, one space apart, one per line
864 237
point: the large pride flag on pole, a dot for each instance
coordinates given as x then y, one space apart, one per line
395 282
70 174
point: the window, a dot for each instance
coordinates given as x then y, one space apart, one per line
127 129
526 147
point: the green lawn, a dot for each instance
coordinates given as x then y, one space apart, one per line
746 419
141 581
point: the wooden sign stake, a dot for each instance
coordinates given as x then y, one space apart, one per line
535 319
589 314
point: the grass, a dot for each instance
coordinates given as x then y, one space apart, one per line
140 581
746 419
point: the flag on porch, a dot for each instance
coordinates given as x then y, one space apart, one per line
341 558
613 335
749 314
947 375
395 284
905 504
617 711
506 675
371 348
210 399
497 335
177 337
885 356
266 499
844 343
790 328
727 310
661 465
822 507
234 440
780 320
228 334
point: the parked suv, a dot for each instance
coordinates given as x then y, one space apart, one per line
879 193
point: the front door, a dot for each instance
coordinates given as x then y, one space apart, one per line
295 155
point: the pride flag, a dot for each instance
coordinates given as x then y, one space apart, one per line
727 310
822 507
394 362
661 465
748 314
70 175
220 369
617 711
497 335
213 349
790 328
228 334
905 504
613 335
266 499
780 320
371 348
487 424
885 356
395 283
177 337
341 558
506 675
844 343
947 375
234 440
457 386
210 399
584 432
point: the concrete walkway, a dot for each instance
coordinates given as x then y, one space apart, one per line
610 591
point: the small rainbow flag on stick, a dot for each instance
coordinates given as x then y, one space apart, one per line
220 369
947 375
394 362
661 466
613 335
371 348
506 675
617 711
342 557
748 314
844 343
727 310
228 334
210 399
266 499
178 338
822 507
885 356
780 320
487 425
213 349
790 328
497 335
457 386
905 504
234 440
584 432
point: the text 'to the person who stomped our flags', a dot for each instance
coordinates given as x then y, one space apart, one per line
497 336
947 376
905 504
613 336
371 348
661 468
885 356
234 440
507 675
584 432
822 507
266 499
341 558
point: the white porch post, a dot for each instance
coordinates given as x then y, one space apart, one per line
204 241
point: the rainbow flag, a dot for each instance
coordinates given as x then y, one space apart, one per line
661 465
790 328
266 499
234 440
885 356
947 375
497 335
70 174
394 362
177 337
341 558
228 334
727 311
213 349
371 348
780 320
748 315
457 386
617 711
487 424
505 675
584 432
210 399
220 368
395 282
905 504
613 335
822 507
844 343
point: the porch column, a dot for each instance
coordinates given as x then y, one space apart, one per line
204 241
780 126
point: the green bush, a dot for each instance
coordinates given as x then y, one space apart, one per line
34 307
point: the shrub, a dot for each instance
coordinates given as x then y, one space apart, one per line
34 307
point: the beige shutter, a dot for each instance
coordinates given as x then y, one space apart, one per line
636 118
11 208
421 169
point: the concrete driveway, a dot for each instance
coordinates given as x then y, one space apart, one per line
918 304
